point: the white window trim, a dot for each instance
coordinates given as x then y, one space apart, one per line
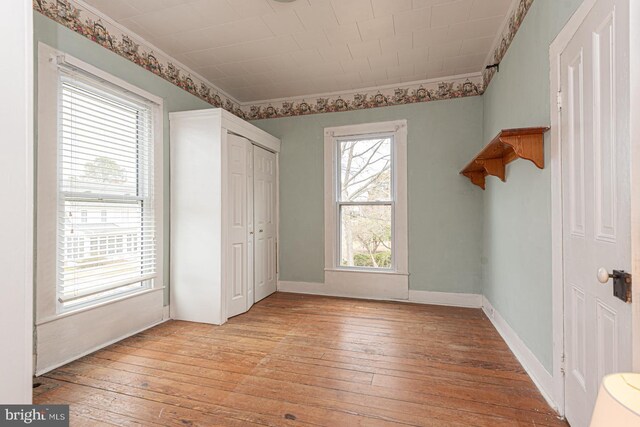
385 283
94 326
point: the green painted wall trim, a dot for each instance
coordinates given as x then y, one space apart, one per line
517 214
445 212
175 99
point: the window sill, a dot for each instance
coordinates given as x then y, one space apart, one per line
366 271
93 307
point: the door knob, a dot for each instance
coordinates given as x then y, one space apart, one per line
621 282
603 275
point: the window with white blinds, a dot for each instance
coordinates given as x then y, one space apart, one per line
106 229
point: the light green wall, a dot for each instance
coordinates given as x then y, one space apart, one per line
517 214
175 99
445 211
452 224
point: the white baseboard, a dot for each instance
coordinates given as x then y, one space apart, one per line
418 297
446 298
540 376
62 340
300 287
96 348
314 288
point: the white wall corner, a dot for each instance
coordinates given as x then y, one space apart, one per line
446 298
16 227
537 372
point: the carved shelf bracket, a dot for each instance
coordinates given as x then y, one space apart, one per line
476 177
507 146
493 167
529 147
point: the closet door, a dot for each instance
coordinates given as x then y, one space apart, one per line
237 275
264 170
250 229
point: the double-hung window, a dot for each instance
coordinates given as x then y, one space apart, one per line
366 243
365 202
105 192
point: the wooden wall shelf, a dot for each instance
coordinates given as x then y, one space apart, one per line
507 146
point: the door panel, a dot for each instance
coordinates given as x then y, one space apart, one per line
264 219
596 205
604 131
237 285
575 144
250 229
237 282
260 264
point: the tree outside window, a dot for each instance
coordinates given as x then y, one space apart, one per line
366 202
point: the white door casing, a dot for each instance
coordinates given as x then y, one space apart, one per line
16 228
264 188
238 214
594 81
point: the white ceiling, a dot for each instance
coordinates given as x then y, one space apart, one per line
262 49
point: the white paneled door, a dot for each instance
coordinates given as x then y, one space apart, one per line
264 199
239 217
251 214
596 203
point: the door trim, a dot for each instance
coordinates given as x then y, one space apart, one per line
557 269
556 48
634 135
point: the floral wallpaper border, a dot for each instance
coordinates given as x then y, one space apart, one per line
364 99
519 13
102 31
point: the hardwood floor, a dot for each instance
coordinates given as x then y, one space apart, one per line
306 360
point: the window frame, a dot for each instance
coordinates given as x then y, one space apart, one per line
332 138
339 203
50 62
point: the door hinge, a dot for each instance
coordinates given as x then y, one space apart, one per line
559 100
562 364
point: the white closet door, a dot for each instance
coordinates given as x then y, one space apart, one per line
250 229
264 188
237 275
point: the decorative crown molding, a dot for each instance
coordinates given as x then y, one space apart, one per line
92 24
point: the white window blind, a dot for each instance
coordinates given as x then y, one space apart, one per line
106 229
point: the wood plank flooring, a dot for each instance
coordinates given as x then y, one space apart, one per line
306 360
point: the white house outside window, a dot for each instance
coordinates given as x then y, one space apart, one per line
105 192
